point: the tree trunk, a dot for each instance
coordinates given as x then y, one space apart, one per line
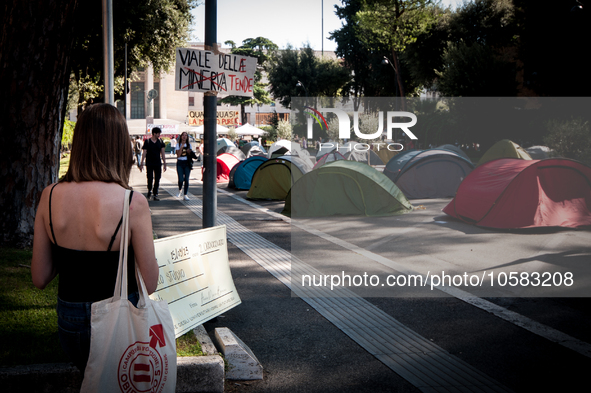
401 90
243 117
398 76
35 45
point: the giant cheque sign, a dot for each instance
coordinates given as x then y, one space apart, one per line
206 71
195 278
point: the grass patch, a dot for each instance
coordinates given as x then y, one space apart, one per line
28 319
188 345
64 165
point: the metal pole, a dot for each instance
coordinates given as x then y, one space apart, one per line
210 127
322 28
108 52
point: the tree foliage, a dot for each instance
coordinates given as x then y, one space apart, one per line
475 70
392 25
284 130
152 29
480 55
318 76
364 57
260 48
570 139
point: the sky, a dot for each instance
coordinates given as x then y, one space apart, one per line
284 22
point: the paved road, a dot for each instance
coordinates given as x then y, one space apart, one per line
505 342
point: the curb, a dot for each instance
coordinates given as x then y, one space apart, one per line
199 374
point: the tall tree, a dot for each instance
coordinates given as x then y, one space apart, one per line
260 48
371 78
480 57
393 25
40 44
35 44
319 77
424 56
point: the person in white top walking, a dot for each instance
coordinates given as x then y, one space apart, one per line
173 146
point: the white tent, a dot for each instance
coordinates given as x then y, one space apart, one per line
285 144
248 129
200 130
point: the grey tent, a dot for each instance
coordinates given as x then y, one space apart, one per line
433 173
455 149
233 150
253 149
368 157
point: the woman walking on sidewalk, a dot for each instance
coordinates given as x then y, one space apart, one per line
184 164
77 228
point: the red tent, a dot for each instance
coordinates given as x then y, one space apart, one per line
512 193
225 163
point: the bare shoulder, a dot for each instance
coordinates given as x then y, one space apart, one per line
44 199
139 202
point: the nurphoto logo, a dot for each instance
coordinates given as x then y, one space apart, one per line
344 121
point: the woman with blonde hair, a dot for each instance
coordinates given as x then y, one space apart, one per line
77 235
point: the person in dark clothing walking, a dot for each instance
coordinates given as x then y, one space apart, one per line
154 156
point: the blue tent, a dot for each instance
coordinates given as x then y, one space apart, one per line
241 174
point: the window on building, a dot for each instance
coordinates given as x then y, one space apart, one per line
138 110
191 101
121 106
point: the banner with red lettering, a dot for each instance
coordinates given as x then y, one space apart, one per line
202 71
225 118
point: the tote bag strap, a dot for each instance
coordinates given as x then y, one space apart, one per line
121 283
143 298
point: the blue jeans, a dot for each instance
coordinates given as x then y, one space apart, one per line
73 323
183 169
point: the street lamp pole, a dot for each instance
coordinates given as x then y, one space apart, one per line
108 68
210 127
300 84
385 60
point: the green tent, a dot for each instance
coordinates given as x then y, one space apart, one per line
504 149
345 188
273 179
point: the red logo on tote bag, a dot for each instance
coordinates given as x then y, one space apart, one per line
142 368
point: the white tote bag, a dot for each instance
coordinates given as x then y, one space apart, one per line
131 349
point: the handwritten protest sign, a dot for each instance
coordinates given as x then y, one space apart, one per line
202 70
195 277
224 118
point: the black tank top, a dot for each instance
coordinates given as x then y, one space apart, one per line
89 276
